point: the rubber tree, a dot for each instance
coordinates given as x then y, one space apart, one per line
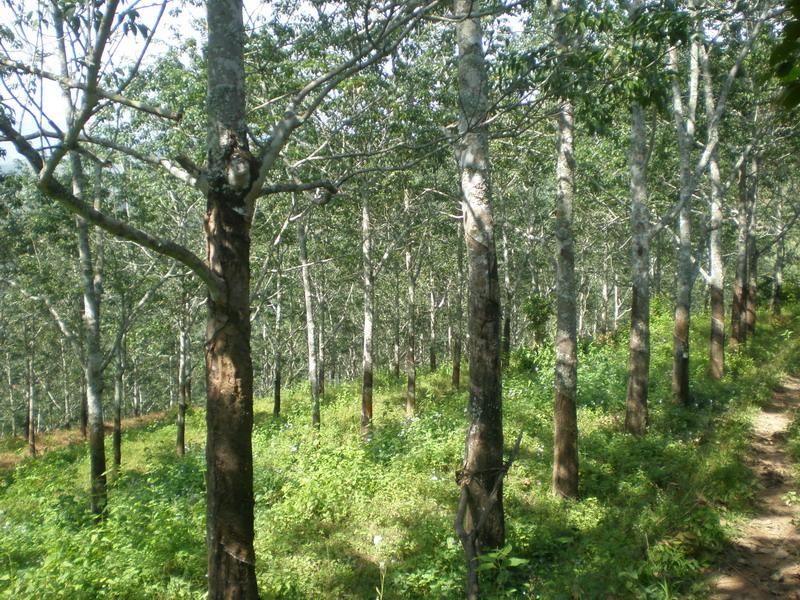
483 453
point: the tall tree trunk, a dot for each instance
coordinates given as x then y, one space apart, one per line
505 343
31 429
483 452
685 127
84 417
183 380
13 409
752 252
457 333
276 394
369 310
639 344
777 277
411 333
565 460
313 372
738 334
565 443
229 369
432 323
94 359
716 363
396 342
119 399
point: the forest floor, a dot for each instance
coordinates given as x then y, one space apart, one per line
763 561
14 450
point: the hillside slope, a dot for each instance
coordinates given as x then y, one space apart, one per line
341 517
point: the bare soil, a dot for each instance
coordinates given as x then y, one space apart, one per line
61 438
764 559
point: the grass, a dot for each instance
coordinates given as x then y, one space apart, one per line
341 517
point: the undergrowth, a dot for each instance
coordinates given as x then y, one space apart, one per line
338 516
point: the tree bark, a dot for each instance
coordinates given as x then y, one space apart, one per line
685 127
738 334
184 399
229 369
432 325
457 330
411 333
565 443
751 297
483 452
313 372
777 277
505 343
119 399
369 314
716 364
276 392
31 429
94 360
639 344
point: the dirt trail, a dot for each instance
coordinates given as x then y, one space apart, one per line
764 561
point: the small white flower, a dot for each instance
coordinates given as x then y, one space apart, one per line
294 448
377 539
434 478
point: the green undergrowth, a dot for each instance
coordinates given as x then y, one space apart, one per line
340 516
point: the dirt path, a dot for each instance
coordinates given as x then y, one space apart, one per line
764 561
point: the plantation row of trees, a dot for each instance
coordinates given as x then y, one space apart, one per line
342 187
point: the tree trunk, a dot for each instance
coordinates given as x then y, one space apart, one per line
276 393
313 373
565 442
94 358
483 452
716 274
183 381
777 278
738 334
565 460
396 342
31 429
229 369
432 323
369 310
13 409
411 333
84 419
505 343
752 252
685 127
639 344
119 399
457 330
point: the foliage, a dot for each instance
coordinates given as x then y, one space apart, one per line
340 516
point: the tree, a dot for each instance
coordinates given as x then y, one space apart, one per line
481 474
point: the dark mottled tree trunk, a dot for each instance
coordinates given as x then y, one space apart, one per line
639 343
565 442
229 370
483 453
